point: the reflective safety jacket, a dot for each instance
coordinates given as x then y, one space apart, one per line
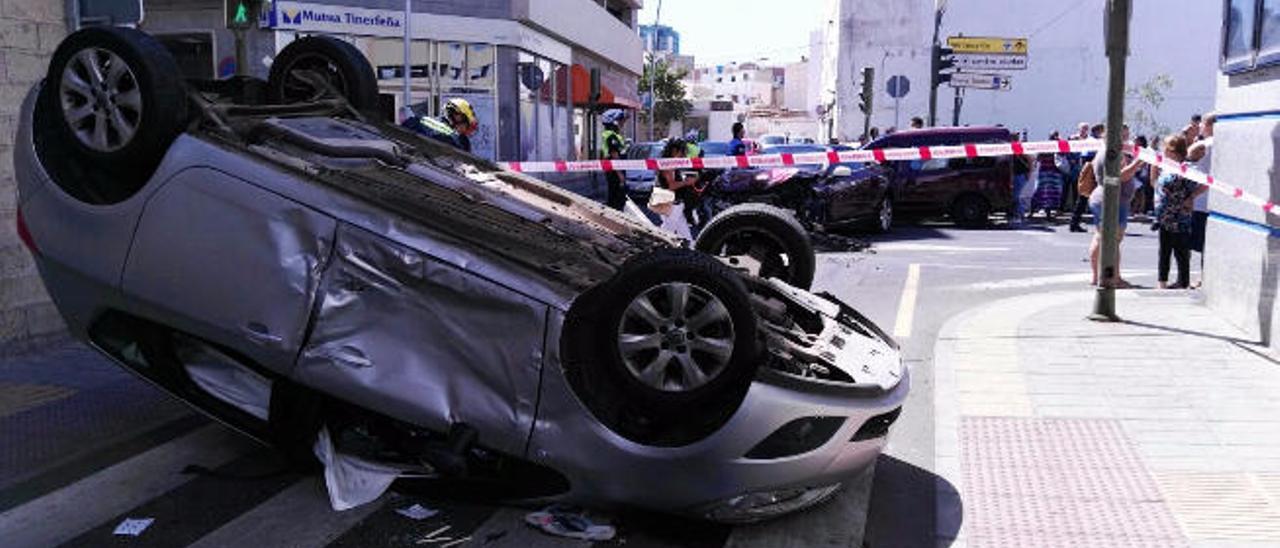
440 130
615 145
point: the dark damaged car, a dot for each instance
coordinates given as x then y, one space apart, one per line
291 266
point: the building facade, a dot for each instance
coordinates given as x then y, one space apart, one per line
29 32
1064 83
522 64
1242 248
660 39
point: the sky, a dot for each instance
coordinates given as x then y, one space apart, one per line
719 31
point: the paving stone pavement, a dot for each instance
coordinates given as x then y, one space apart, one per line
1160 430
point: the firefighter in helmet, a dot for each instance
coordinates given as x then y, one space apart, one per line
454 127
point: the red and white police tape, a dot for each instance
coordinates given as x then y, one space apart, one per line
1147 155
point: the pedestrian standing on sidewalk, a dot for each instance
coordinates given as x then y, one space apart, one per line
1143 199
1173 216
1082 201
1127 189
1048 196
1023 188
1202 153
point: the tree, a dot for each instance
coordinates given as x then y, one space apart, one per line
669 102
1143 105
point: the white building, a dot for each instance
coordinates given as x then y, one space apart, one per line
745 84
1065 82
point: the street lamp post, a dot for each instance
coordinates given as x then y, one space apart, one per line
1117 27
653 67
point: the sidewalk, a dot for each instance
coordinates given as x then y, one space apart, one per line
1053 430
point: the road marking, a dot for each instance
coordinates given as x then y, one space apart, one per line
66 513
907 306
297 516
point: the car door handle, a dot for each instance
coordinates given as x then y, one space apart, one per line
260 334
351 357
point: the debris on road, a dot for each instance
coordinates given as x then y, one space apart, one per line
826 242
568 522
417 512
132 527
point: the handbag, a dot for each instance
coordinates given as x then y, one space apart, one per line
1088 181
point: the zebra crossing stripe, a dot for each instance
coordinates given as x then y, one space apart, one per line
66 513
297 516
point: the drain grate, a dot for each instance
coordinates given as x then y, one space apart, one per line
1223 506
1058 482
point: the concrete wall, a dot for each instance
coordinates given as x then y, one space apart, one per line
1242 257
29 32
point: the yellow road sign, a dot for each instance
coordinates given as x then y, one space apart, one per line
974 44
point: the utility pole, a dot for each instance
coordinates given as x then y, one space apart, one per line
407 111
1117 30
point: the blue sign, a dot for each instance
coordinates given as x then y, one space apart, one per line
898 86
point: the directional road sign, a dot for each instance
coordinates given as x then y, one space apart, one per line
989 61
898 87
999 82
970 44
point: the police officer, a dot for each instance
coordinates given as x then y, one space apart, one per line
691 143
615 145
454 127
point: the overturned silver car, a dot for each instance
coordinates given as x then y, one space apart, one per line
286 263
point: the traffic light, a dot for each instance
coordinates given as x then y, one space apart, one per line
942 60
242 14
868 90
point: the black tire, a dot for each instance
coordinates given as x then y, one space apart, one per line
126 112
882 222
683 410
971 211
340 63
769 234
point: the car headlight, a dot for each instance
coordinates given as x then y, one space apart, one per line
763 505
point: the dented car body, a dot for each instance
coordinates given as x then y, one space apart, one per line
413 292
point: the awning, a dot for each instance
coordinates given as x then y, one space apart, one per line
580 77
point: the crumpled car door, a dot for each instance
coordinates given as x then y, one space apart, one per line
231 263
424 341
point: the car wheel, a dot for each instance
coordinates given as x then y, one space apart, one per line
883 221
766 241
970 210
336 63
116 102
664 352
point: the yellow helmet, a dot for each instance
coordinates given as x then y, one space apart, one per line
463 108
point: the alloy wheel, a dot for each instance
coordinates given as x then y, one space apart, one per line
675 337
101 100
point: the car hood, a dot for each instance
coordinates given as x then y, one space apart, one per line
554 234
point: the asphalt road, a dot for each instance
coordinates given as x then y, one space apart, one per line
78 458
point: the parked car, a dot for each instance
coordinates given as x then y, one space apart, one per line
967 190
640 181
301 270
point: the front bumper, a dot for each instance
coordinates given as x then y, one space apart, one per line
713 477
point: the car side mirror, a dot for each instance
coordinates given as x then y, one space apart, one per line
841 171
